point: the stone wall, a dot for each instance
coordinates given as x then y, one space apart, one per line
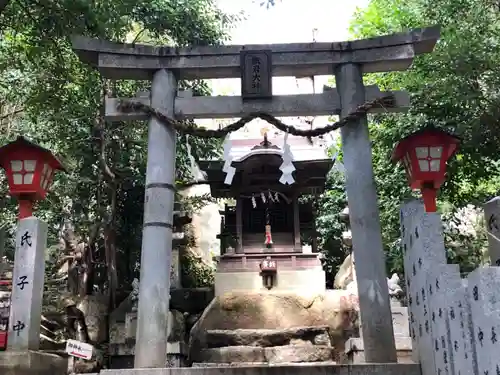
32 363
186 307
454 322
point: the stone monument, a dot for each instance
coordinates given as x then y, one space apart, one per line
27 285
26 305
492 219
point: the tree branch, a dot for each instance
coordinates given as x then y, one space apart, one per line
138 36
11 113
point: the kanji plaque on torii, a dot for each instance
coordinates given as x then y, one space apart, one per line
348 61
256 74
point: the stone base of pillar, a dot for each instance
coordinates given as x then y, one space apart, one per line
32 363
176 355
176 360
355 353
130 326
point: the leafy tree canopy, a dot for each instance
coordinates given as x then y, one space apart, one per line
454 88
49 96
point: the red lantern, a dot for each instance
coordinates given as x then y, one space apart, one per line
424 155
30 170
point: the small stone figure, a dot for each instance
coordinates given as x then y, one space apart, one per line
395 291
134 295
346 279
394 287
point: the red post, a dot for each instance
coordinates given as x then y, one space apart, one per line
25 208
5 285
429 195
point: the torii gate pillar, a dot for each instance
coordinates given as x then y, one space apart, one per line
154 286
373 293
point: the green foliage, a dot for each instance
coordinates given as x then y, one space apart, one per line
195 273
466 237
328 223
454 88
47 95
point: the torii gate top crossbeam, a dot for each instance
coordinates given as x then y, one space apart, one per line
380 54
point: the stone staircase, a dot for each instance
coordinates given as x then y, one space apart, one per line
266 347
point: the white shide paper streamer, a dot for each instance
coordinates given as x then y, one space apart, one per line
228 169
287 166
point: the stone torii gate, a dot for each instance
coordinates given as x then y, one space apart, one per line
348 61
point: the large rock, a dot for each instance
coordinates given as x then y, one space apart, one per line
95 310
278 311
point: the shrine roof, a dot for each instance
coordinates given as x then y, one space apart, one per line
244 146
257 166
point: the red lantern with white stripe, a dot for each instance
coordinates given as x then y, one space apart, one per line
424 155
30 170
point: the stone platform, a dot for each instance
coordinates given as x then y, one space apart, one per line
297 272
363 369
250 319
355 352
32 363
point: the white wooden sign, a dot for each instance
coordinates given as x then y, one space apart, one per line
79 349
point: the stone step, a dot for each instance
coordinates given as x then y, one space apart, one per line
355 352
314 335
293 369
274 354
262 364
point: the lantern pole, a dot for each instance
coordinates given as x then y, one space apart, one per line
25 207
429 196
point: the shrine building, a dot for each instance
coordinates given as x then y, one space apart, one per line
268 237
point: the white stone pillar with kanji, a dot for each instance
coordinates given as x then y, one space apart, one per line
492 219
27 285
